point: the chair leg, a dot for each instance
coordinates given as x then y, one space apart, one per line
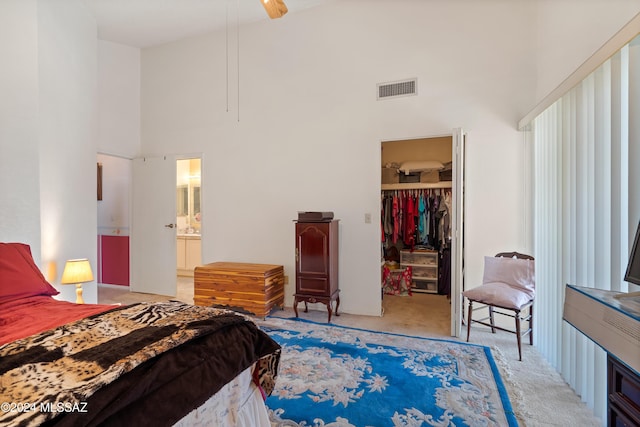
469 319
518 335
493 324
531 324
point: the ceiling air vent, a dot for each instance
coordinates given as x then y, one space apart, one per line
396 89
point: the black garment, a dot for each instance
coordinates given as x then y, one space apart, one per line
444 268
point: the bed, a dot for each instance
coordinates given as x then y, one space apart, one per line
162 364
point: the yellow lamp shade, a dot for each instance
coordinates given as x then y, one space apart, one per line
77 271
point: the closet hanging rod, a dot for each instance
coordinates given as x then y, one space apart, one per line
417 185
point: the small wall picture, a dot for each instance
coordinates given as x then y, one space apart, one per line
99 181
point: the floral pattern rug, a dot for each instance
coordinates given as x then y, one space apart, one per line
334 376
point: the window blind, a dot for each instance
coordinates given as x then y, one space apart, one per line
585 153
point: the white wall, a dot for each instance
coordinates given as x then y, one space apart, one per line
67 67
118 132
114 208
118 99
19 160
309 128
308 131
571 31
47 131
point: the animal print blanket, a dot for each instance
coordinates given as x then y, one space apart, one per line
63 374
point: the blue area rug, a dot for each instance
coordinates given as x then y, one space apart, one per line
342 377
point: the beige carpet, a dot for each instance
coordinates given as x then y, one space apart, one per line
539 395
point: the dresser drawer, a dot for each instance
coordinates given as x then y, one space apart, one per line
624 394
420 272
419 257
425 286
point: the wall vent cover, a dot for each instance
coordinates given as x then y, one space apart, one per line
395 89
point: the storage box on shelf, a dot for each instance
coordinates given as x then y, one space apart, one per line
390 176
424 266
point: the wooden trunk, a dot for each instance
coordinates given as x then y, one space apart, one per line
249 288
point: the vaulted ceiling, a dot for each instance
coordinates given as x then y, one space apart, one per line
144 23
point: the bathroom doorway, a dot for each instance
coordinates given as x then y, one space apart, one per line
156 253
188 215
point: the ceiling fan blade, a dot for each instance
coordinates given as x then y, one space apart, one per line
275 8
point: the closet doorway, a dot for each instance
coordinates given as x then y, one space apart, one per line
421 212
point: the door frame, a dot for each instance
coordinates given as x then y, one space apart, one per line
458 137
174 158
457 231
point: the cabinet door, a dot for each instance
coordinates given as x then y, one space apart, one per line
115 259
312 258
194 254
181 253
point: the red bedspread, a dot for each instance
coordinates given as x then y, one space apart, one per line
22 317
143 364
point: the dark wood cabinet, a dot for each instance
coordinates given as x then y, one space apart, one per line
624 394
317 264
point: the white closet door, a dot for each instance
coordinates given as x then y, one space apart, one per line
457 231
153 232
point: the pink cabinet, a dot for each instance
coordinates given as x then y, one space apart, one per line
114 266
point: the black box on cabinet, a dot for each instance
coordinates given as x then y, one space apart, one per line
315 216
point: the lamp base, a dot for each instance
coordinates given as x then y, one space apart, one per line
79 299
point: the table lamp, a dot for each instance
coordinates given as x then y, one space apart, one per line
77 271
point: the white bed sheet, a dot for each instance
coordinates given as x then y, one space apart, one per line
238 404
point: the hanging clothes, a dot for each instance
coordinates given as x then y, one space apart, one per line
396 218
419 219
444 277
387 215
443 224
434 204
423 216
401 218
444 272
447 229
410 226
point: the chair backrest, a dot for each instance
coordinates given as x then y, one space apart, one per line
513 255
515 269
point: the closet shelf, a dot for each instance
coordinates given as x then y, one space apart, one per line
417 185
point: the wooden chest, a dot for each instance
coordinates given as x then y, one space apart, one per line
249 288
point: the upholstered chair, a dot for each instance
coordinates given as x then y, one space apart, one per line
508 289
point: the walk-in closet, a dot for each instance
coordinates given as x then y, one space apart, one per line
416 222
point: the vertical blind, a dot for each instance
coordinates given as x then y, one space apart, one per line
586 148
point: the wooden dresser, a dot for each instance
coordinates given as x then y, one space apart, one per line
248 288
614 324
623 391
317 264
